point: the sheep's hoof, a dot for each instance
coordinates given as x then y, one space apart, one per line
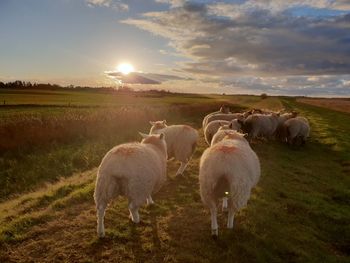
214 233
151 204
133 221
101 235
179 175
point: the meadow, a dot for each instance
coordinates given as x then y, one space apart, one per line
52 141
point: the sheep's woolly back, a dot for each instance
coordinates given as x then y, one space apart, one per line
132 169
231 161
261 125
223 110
297 127
212 128
285 116
232 125
180 139
225 117
227 134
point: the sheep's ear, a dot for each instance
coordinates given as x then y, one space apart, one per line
144 135
161 136
152 123
164 121
245 135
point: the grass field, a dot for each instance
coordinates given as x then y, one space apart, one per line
299 212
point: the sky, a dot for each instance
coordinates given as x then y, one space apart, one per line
278 47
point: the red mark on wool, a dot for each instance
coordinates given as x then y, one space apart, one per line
225 149
124 151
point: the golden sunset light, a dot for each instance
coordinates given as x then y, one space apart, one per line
175 130
125 68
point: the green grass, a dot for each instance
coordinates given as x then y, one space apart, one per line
299 212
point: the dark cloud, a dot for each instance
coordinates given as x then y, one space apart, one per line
142 78
329 85
254 41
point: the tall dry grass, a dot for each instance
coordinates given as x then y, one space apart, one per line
37 148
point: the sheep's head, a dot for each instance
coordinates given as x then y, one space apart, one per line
223 126
274 114
157 140
157 125
225 109
235 135
254 111
233 125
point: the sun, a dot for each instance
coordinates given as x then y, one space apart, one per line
125 68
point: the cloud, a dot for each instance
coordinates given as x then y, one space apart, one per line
115 4
259 46
142 78
252 41
173 3
327 85
285 4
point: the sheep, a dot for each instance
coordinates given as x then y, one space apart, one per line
260 125
134 170
223 109
295 128
226 117
213 127
228 168
181 141
222 133
281 120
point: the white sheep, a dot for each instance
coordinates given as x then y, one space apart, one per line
222 133
214 126
229 168
134 170
181 141
226 117
260 125
295 128
223 109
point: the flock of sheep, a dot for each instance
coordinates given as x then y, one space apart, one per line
229 168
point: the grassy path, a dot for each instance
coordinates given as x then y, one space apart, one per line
298 213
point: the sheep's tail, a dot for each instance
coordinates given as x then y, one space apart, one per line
221 186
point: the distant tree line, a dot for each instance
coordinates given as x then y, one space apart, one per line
18 84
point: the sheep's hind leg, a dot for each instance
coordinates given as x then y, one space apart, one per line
100 220
182 168
134 213
224 204
214 223
231 214
230 218
150 200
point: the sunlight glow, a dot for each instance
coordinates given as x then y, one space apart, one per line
125 68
